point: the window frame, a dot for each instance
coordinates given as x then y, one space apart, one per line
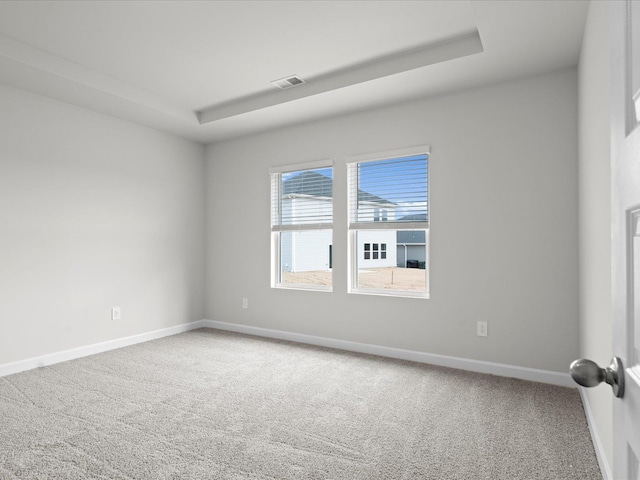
277 230
354 227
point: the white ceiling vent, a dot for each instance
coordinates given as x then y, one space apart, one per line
288 82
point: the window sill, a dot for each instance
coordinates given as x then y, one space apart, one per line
390 293
309 288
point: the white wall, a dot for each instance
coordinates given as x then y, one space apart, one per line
309 251
379 237
504 200
94 212
595 213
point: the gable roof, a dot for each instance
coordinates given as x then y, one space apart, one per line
316 185
308 183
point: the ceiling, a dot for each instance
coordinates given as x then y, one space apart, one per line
202 69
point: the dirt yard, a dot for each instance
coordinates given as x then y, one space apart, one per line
392 278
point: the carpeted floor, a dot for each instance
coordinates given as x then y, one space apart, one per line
214 405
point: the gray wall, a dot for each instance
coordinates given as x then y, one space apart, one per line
596 316
413 252
504 199
94 212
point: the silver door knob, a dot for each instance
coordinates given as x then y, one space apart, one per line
588 374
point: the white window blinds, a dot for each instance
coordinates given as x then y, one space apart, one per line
302 198
390 193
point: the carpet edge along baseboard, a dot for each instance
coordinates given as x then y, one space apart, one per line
479 366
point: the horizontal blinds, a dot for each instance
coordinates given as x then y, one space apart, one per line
302 198
389 193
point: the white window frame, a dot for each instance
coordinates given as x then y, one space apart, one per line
276 230
354 227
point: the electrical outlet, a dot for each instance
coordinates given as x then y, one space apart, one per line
245 303
482 329
115 313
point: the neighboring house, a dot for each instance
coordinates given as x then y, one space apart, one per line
410 244
312 250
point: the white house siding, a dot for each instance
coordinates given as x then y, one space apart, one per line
286 251
286 211
305 251
308 209
376 212
387 237
308 250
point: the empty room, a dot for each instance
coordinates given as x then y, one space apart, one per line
328 240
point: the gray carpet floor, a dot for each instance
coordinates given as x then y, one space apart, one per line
209 404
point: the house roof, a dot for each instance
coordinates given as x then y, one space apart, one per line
416 217
410 236
308 183
317 185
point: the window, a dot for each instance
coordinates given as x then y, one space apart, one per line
380 213
302 226
377 253
388 213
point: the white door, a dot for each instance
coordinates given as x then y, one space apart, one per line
625 187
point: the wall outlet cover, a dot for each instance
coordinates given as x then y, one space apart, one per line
482 329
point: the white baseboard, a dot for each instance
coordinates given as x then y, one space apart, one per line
523 373
63 356
605 468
